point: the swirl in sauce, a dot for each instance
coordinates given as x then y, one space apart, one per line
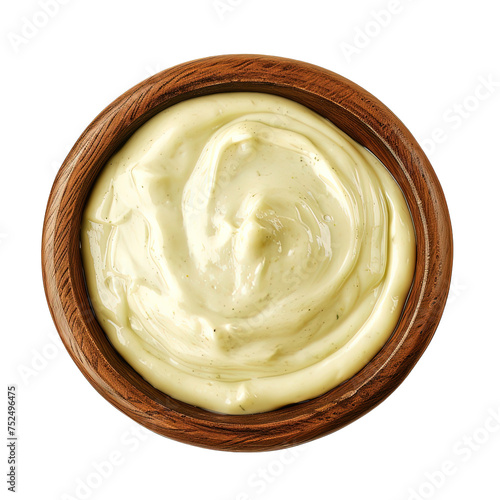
242 253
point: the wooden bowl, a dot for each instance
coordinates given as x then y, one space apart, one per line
349 107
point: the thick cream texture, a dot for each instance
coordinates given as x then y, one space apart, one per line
242 253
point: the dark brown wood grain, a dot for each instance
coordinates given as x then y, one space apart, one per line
349 107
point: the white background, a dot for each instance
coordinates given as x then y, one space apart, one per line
426 63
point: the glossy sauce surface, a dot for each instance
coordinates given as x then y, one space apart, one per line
242 253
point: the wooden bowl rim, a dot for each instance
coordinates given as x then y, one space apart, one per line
368 121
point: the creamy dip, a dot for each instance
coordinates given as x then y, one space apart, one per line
242 253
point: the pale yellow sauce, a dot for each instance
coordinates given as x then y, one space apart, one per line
242 253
